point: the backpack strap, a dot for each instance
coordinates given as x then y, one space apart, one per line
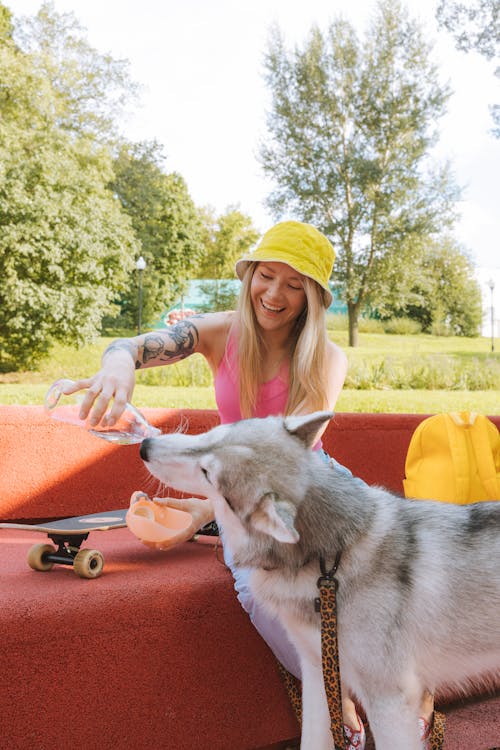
480 433
481 444
459 455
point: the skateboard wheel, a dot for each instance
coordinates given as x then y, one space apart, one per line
88 563
36 555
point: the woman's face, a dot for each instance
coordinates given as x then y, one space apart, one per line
277 294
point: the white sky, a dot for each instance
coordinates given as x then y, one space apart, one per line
201 63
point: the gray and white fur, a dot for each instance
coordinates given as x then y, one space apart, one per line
419 581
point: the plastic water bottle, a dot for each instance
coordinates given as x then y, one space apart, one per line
131 427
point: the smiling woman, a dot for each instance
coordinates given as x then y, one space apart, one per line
281 319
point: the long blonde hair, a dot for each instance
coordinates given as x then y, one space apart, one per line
307 391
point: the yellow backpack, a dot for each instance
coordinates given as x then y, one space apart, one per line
454 458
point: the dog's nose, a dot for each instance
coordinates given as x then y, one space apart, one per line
143 450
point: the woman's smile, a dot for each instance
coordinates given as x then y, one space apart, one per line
271 308
277 294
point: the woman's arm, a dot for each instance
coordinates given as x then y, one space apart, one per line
116 378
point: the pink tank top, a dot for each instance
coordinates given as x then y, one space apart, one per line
271 398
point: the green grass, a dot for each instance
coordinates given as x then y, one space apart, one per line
413 401
155 396
387 373
385 343
418 402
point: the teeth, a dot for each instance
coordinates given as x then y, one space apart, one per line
271 309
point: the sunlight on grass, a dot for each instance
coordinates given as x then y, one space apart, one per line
418 402
387 373
400 401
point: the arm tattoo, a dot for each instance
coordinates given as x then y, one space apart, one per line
173 345
123 345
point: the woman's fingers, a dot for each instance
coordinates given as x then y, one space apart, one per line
104 399
201 510
76 385
95 402
117 407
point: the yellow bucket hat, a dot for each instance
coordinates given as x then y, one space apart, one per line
300 246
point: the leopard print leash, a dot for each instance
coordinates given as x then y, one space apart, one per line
326 605
437 733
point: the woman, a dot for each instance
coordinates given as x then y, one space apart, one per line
271 356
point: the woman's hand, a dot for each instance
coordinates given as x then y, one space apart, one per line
201 511
114 382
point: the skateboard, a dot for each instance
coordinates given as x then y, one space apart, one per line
68 534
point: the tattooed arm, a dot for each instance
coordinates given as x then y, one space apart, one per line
161 347
116 378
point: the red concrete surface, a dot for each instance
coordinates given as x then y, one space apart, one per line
157 652
49 469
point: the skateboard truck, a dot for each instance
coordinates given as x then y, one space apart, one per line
87 563
67 534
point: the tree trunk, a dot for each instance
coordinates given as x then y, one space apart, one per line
353 314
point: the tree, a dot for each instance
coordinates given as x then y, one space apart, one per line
65 244
165 222
351 127
442 293
6 27
474 26
90 90
455 300
225 239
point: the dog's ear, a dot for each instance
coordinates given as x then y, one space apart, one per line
306 427
276 518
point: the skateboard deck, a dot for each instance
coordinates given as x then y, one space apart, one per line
68 534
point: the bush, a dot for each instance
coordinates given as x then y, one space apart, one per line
193 371
440 328
430 372
402 326
340 322
371 325
336 321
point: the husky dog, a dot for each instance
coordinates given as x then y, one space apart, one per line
418 581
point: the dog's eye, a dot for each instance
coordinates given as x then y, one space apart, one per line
205 474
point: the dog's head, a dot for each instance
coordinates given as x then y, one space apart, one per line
255 471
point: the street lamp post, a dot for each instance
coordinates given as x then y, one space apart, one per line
491 285
140 264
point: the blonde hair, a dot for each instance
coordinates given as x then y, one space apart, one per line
307 391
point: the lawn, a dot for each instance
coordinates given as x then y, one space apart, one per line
387 373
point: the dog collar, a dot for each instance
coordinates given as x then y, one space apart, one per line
327 577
